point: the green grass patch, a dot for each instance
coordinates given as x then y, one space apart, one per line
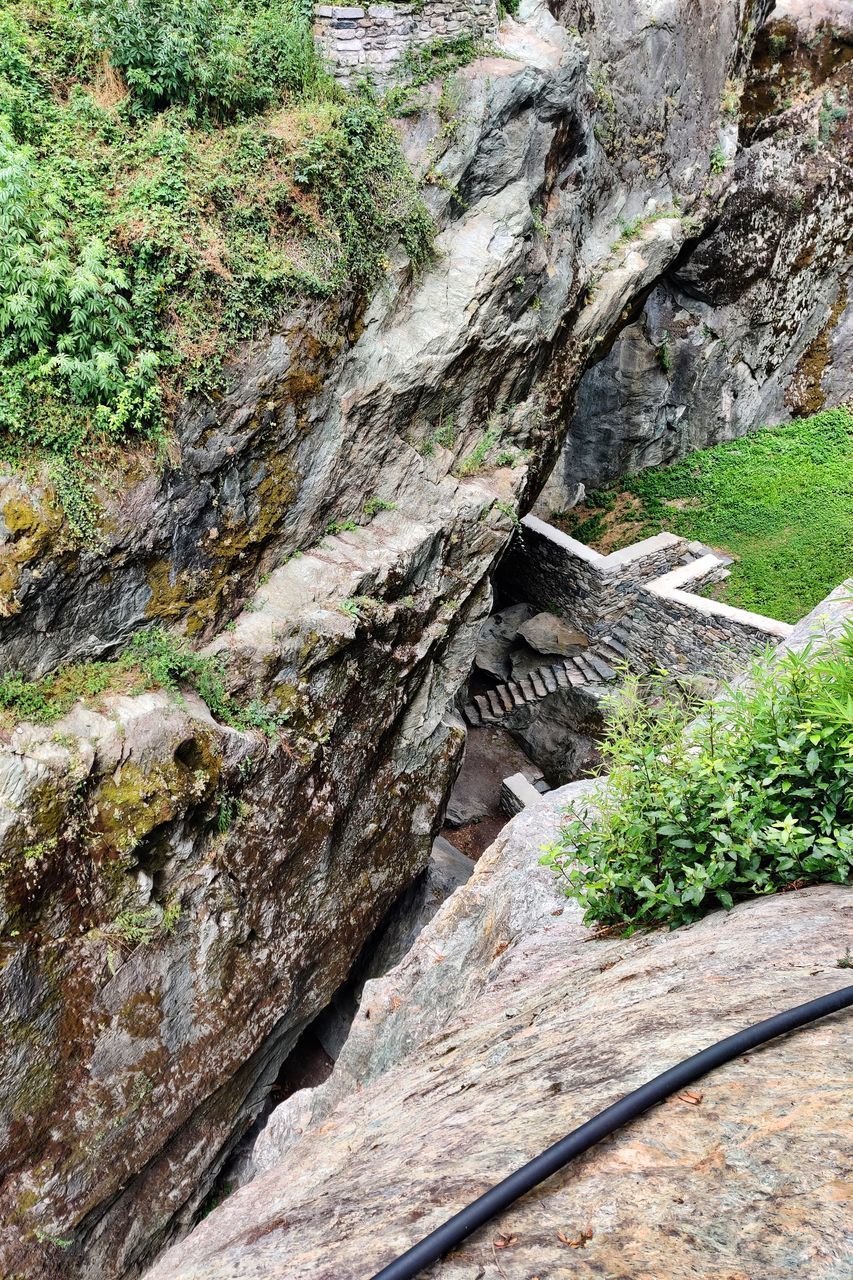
174 176
780 501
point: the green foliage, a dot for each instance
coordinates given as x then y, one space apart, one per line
138 927
780 500
717 159
476 460
753 796
161 659
219 59
226 812
632 227
167 660
335 527
174 176
45 700
833 110
374 505
366 190
440 57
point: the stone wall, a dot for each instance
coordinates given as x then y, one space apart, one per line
639 592
554 571
685 632
362 40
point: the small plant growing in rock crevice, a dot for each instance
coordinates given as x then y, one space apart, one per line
153 657
665 357
717 159
373 506
832 112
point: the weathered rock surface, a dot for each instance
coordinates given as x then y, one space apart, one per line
561 732
446 871
137 1053
509 1024
755 324
497 638
157 968
547 633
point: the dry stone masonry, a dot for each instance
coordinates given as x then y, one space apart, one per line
369 40
634 600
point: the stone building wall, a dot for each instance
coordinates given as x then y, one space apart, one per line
369 40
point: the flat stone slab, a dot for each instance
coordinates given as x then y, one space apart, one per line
546 633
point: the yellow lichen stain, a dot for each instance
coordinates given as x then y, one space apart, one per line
132 802
200 596
32 528
805 396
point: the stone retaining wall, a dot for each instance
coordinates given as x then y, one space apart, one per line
639 592
369 40
554 571
682 631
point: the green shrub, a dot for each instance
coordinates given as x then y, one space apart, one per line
754 795
162 660
217 58
174 176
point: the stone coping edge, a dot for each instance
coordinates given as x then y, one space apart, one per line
669 587
610 563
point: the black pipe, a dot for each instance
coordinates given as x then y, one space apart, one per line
462 1224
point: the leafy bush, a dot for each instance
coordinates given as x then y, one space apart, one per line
174 176
219 59
753 796
64 312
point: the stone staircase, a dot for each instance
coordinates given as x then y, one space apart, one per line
598 665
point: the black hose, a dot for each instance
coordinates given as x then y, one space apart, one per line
462 1224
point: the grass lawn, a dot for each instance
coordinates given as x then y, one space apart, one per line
780 501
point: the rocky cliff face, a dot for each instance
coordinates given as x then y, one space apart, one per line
181 897
753 323
506 1008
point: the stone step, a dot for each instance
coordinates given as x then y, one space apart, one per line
547 674
574 673
538 684
589 673
598 664
495 704
505 697
484 709
609 655
561 676
527 689
471 715
614 643
515 693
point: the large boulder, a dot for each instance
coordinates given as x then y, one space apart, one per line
508 1025
498 638
546 633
